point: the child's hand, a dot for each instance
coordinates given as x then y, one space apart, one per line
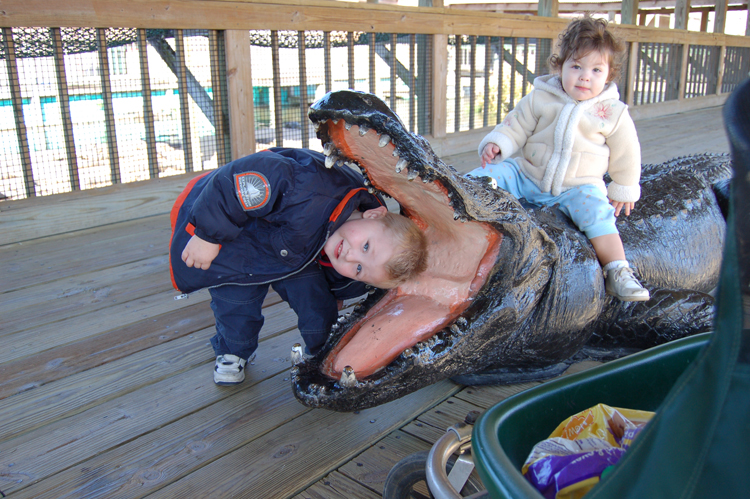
489 153
619 205
199 253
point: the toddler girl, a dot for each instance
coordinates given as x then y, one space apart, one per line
568 131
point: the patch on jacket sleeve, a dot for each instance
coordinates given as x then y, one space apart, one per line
253 190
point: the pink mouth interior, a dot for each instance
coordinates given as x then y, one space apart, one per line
461 255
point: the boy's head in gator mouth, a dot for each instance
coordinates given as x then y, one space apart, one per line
505 284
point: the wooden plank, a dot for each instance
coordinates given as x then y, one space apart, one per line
675 106
288 460
299 15
372 466
148 308
448 413
50 365
486 396
337 486
30 219
185 421
55 257
83 294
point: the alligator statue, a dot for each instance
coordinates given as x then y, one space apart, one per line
511 289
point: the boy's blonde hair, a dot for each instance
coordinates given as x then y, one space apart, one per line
410 256
584 35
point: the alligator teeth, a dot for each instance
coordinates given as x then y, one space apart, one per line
328 148
331 160
371 190
335 121
297 354
493 183
384 139
316 126
402 163
461 321
455 329
407 352
347 125
412 174
348 379
341 319
395 153
363 129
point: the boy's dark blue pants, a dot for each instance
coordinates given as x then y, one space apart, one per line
239 317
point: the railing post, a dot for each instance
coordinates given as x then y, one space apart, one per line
240 93
683 71
64 99
303 97
439 85
720 76
17 100
109 112
182 88
632 72
148 109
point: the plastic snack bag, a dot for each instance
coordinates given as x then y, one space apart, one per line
582 448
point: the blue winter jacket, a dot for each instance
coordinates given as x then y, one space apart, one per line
272 212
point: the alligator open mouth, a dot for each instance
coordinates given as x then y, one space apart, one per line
506 284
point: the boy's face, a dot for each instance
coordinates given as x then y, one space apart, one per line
361 247
585 77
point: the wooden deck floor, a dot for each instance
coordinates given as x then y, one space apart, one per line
106 386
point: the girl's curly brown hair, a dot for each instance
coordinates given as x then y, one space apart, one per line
584 35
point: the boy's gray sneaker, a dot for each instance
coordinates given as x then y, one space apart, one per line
229 370
622 284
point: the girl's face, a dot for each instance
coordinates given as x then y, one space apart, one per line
585 77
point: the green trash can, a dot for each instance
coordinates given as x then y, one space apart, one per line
505 434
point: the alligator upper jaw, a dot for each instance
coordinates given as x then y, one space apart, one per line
462 252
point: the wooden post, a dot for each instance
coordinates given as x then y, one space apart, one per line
720 16
148 108
109 112
218 81
240 93
276 76
632 71
64 99
720 76
548 8
545 8
187 143
683 71
327 59
439 85
629 12
304 103
350 58
17 100
681 14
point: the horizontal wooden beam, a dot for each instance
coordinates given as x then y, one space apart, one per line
676 106
323 15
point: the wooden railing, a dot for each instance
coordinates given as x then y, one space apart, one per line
440 69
